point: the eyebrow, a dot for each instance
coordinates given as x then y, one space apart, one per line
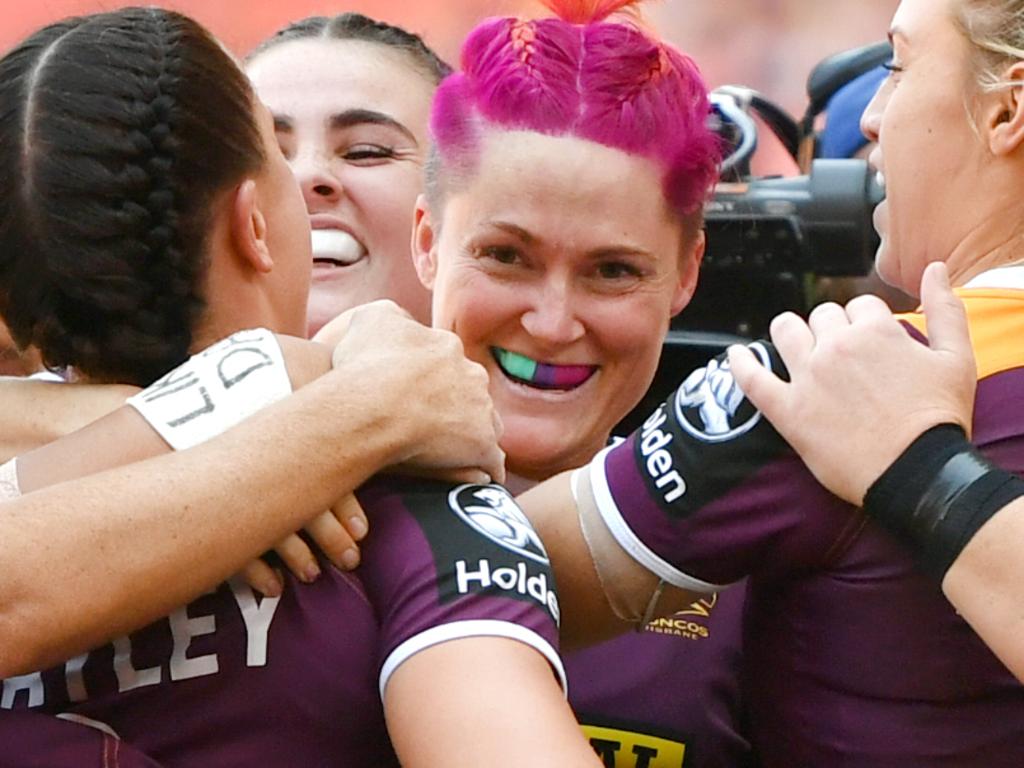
528 238
895 32
349 118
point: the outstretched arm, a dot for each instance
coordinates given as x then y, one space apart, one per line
38 412
88 559
856 373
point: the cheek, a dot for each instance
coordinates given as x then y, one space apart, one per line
635 344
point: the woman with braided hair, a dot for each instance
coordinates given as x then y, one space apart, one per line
148 211
616 160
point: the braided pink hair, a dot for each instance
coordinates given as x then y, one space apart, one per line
578 75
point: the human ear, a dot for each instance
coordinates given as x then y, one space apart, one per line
424 244
1006 113
249 228
689 267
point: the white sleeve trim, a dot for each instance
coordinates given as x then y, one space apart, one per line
629 541
457 630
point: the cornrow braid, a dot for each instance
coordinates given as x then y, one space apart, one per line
607 81
130 123
356 26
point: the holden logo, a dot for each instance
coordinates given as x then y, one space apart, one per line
492 511
708 404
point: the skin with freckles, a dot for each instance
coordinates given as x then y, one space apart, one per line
351 119
563 293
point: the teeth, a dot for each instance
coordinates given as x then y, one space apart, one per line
880 179
335 245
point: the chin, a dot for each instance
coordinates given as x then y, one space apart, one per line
540 453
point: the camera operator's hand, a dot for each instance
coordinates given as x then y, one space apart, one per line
862 388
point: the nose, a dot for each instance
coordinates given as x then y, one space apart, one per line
552 317
871 119
318 183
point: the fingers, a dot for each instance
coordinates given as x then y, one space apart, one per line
263 578
299 559
793 339
945 313
349 512
762 387
826 318
333 540
868 308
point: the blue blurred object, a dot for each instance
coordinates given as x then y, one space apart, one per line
841 136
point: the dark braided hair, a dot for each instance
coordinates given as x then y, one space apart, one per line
117 131
355 26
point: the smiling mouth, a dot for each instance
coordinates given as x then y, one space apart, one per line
531 373
335 248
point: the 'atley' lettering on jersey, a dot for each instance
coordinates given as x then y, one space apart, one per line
257 616
654 448
518 580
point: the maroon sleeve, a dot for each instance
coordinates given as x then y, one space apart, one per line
446 562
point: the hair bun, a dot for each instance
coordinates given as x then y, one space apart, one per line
586 11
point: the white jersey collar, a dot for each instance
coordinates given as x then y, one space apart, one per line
1001 277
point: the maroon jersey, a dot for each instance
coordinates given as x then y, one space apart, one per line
235 679
851 656
626 692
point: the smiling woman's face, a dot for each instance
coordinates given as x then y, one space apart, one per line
351 118
559 265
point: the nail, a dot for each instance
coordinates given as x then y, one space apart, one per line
350 558
311 573
357 527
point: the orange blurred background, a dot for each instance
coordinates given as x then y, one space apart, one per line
769 45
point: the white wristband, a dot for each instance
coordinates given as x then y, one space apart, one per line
215 389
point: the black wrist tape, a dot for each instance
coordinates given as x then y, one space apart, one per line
937 495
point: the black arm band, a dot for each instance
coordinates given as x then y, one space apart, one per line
937 495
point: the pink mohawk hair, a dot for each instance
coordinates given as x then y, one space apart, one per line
579 75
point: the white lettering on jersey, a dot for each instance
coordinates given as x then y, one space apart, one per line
257 617
510 580
183 629
32 683
75 679
128 677
654 448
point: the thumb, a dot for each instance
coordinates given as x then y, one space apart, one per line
945 313
762 387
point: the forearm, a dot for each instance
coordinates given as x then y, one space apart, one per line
123 436
986 585
89 559
587 614
38 412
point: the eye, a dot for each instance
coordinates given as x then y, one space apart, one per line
368 153
892 67
501 254
616 270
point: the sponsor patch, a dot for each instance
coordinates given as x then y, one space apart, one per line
710 404
492 511
627 749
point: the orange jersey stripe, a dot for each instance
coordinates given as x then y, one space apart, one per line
996 317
